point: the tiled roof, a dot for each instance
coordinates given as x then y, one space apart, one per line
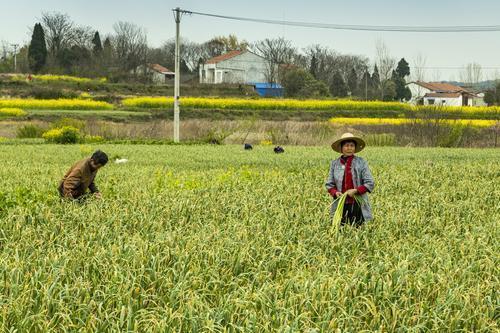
223 57
440 87
160 68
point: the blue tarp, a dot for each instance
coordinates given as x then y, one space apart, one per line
268 89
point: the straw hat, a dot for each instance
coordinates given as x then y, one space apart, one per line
360 144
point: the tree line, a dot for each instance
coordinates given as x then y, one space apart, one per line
60 46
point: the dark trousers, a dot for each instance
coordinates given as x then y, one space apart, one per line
352 215
80 199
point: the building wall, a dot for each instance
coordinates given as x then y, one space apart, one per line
243 68
442 101
479 101
157 78
417 92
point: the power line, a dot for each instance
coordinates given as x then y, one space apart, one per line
435 29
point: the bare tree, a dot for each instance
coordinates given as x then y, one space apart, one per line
277 52
384 60
436 75
385 64
222 44
190 54
82 37
328 62
130 45
418 70
4 50
471 74
325 61
59 32
418 74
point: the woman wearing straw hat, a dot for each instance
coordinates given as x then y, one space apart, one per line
351 175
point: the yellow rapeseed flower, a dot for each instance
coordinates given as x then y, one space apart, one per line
54 104
12 112
402 121
294 104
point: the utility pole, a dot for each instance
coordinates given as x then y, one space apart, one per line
15 56
177 16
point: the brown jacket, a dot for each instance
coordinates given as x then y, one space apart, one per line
77 180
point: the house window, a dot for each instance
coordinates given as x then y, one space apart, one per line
443 101
431 101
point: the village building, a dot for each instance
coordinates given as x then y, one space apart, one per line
243 67
445 94
156 73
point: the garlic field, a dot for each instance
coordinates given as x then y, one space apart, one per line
218 239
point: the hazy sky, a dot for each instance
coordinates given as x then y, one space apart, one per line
442 50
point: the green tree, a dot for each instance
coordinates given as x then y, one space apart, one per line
398 77
96 42
73 57
300 83
221 44
338 88
37 51
352 81
313 69
389 91
403 68
492 96
375 81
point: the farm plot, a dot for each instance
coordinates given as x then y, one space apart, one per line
215 238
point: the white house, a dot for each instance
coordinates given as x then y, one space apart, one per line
157 73
439 93
234 67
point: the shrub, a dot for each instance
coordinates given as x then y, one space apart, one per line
51 93
85 95
63 135
383 139
76 123
217 137
29 131
92 139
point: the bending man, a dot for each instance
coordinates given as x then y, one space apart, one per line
81 175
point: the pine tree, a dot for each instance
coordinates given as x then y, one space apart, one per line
107 44
352 81
403 68
375 81
376 85
338 88
365 85
313 69
398 77
37 50
96 42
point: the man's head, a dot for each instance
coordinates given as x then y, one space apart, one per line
98 160
348 147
